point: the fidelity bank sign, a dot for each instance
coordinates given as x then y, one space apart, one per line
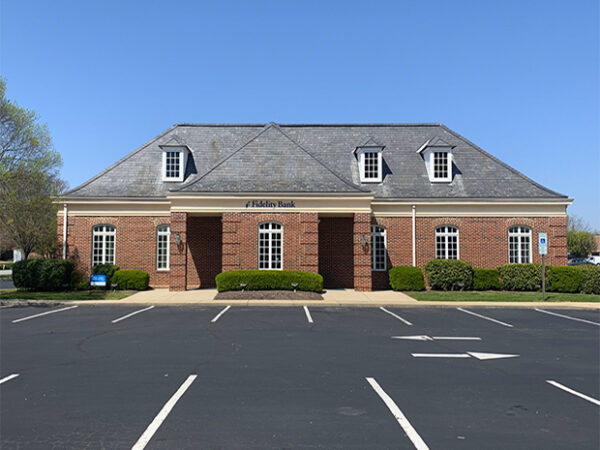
271 204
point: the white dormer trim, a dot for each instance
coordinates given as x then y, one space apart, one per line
363 154
428 151
168 152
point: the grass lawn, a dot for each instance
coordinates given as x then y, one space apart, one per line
13 294
500 296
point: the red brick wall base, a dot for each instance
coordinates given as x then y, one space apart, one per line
327 245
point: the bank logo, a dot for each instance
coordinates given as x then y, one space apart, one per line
270 204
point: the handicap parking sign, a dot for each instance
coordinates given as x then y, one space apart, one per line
543 243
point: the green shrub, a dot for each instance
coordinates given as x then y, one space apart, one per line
6 265
43 274
79 282
590 279
406 278
486 280
131 279
105 269
26 273
564 279
269 280
521 277
449 274
55 275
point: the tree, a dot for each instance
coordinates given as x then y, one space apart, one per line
580 239
29 178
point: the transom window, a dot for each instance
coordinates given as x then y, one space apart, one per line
103 245
519 245
270 246
446 242
378 248
440 165
163 235
370 164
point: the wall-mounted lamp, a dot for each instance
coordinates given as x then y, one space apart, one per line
363 240
177 239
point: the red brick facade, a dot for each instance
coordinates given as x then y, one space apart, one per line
328 245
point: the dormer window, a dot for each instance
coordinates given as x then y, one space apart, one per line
440 166
438 158
173 163
370 164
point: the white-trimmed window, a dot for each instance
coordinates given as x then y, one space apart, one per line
163 237
270 246
378 248
173 163
103 245
440 165
519 245
370 164
446 242
439 159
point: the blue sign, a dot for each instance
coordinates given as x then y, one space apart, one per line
543 243
98 280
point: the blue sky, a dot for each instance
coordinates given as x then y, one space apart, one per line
519 78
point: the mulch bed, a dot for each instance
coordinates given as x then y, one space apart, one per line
268 295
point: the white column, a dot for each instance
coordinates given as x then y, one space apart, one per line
414 236
65 214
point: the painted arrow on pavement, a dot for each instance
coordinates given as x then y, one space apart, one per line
437 338
480 356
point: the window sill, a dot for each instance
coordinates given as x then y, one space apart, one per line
378 270
163 270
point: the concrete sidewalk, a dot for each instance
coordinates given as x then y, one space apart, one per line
332 297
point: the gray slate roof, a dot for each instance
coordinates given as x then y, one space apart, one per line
310 159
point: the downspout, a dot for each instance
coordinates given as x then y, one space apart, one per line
414 234
65 214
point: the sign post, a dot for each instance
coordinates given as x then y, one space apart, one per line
543 250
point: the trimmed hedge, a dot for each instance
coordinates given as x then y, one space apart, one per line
131 279
564 279
43 274
486 280
590 279
521 277
449 274
268 280
105 269
406 278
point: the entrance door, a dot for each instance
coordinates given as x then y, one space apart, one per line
336 252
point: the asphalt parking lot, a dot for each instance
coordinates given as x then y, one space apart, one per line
289 377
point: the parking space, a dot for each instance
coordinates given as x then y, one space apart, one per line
268 377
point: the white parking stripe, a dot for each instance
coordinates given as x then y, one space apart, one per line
8 378
43 314
400 417
395 315
308 316
220 314
485 317
162 415
132 314
567 317
571 391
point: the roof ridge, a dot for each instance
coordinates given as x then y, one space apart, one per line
120 161
381 124
502 163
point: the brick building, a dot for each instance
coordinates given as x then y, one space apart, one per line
346 201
